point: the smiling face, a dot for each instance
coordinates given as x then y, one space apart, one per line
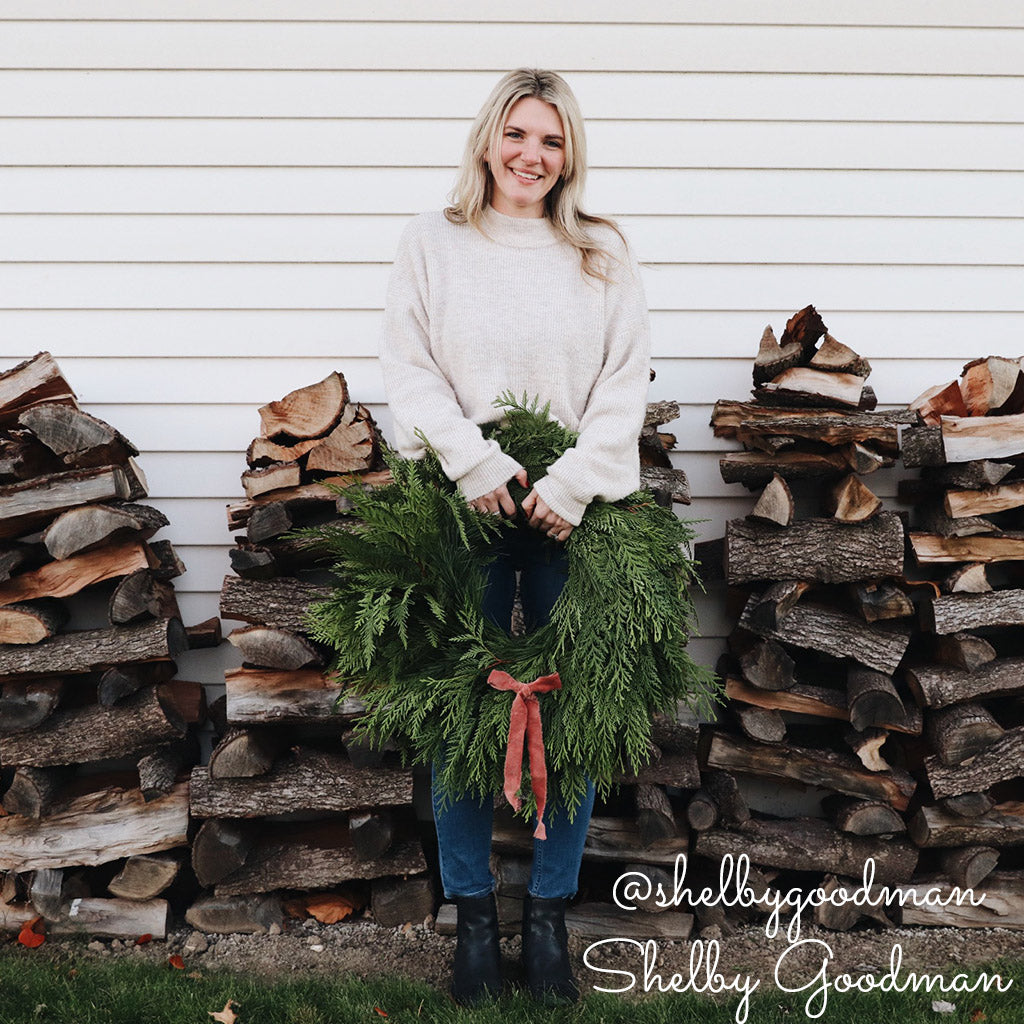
532 155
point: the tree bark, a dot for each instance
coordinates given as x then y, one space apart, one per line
999 760
937 686
1002 826
262 696
306 412
279 604
953 613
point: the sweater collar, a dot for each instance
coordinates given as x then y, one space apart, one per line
519 232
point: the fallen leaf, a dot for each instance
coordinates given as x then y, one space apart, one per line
227 1015
176 962
978 1015
143 939
329 909
377 1009
28 936
941 1006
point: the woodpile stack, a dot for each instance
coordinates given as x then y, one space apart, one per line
86 843
299 816
856 666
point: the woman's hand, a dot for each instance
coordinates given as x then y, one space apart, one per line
499 500
544 519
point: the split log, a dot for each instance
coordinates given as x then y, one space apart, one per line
360 752
31 502
245 753
1002 826
968 579
701 811
268 521
804 327
968 866
999 760
835 357
982 437
106 918
1002 906
654 817
275 556
974 476
661 412
253 562
164 561
763 725
772 359
256 696
723 789
350 447
204 634
271 478
31 621
159 769
34 791
145 877
768 666
867 745
850 501
863 460
79 439
70 575
746 420
139 596
867 818
775 504
819 550
308 495
95 829
263 452
372 833
12 558
840 916
678 733
659 479
23 705
221 847
957 612
932 519
821 701
395 902
274 648
120 681
22 457
985 502
806 387
882 600
922 446
809 844
279 604
667 770
990 385
968 805
755 469
94 732
45 892
929 549
937 686
236 915
963 650
824 768
95 648
774 604
91 525
306 412
962 731
311 780
315 857
872 699
29 383
938 401
836 633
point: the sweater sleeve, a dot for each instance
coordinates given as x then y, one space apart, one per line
604 462
421 397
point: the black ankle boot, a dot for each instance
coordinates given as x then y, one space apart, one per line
477 974
546 952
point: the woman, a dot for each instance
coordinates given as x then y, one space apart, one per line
513 287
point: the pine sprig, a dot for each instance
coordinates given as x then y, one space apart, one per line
405 621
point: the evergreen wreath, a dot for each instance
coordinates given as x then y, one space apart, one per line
405 621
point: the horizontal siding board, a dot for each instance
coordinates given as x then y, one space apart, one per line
337 238
344 334
255 142
627 47
320 286
454 93
994 13
410 190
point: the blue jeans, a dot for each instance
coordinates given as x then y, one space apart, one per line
464 828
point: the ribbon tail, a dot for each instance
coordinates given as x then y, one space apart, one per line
517 727
538 767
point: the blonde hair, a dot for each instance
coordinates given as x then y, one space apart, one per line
472 192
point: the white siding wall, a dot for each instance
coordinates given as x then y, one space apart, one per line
199 201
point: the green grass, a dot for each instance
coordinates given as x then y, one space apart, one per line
76 990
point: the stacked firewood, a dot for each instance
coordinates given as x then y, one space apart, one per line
300 815
825 669
85 843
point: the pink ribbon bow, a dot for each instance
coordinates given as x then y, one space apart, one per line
524 724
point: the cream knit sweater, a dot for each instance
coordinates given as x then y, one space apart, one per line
470 315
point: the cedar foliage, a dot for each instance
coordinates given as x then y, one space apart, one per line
410 639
